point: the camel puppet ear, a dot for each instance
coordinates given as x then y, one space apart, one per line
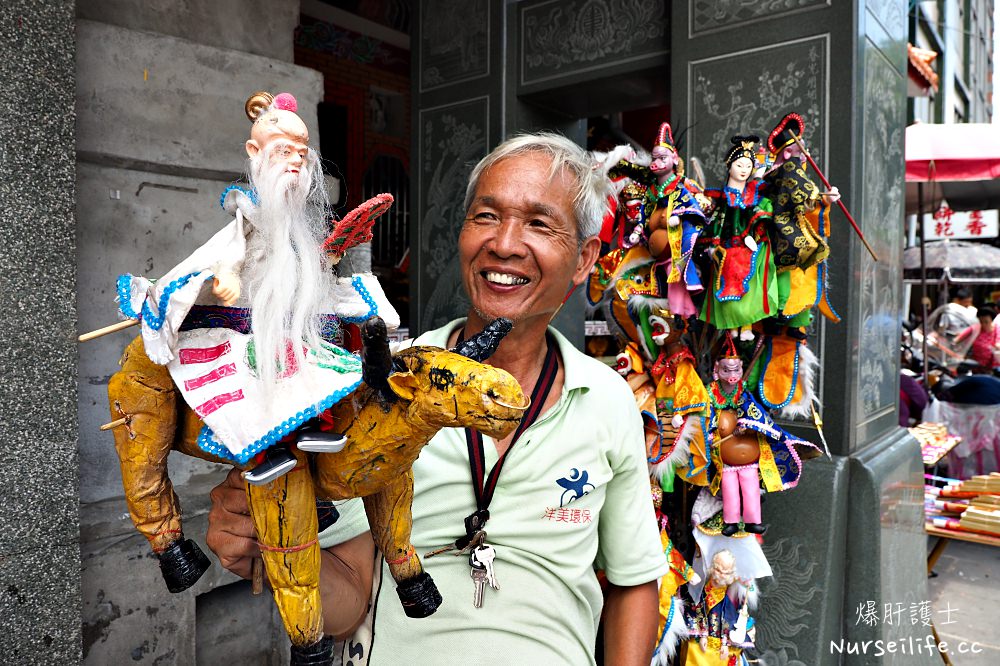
403 384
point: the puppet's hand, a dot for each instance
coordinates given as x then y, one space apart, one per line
226 288
677 421
674 221
724 652
831 197
695 579
703 643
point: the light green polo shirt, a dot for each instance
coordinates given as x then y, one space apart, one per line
573 495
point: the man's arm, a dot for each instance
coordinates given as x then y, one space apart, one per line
630 619
345 569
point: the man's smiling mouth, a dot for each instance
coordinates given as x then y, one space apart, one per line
504 278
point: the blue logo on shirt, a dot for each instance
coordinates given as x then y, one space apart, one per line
576 486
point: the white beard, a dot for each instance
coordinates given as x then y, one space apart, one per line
287 277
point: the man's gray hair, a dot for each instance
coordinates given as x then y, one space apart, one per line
591 187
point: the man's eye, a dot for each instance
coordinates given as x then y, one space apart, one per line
485 217
541 224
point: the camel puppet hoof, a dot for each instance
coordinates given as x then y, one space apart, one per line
419 595
182 564
319 653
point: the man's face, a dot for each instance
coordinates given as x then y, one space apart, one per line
518 246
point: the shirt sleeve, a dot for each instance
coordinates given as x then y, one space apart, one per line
629 549
352 521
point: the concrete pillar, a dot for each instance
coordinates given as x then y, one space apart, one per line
852 533
159 134
39 524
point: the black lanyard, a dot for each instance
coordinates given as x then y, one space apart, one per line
477 454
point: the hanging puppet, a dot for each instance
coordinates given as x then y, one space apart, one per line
739 449
742 287
244 333
719 623
672 218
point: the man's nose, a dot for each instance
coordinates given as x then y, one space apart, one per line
508 241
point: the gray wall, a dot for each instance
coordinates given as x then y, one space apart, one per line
39 557
159 134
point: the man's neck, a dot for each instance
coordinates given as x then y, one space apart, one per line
522 351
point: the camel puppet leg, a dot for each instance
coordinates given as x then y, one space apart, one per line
284 514
143 392
390 518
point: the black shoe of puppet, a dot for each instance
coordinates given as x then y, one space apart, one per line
729 529
277 461
182 564
755 528
419 596
376 359
319 653
482 345
315 440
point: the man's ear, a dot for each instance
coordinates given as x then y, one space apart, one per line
252 148
403 384
588 257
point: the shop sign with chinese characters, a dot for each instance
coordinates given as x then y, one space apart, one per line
955 225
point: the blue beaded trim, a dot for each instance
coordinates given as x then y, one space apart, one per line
795 378
147 316
359 287
208 443
251 194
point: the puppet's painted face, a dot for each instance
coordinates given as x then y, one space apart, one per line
664 160
729 370
633 210
283 138
740 170
723 568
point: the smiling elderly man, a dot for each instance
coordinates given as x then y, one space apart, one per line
563 495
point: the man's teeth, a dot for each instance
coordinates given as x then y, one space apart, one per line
505 278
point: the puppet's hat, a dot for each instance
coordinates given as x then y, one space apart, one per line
743 146
261 101
665 137
784 133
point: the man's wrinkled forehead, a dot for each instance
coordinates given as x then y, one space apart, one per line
279 124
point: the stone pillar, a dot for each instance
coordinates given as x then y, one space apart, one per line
39 526
852 533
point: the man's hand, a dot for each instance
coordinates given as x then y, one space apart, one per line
231 534
226 288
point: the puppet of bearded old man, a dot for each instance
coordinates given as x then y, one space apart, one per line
246 324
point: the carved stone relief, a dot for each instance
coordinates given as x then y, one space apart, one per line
452 140
891 14
455 45
710 15
561 37
882 222
751 91
788 599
